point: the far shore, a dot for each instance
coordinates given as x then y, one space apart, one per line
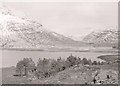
62 50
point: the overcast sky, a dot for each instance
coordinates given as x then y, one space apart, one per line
77 19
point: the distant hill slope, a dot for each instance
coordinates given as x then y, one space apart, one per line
16 32
107 37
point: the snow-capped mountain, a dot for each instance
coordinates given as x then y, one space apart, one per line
104 37
16 32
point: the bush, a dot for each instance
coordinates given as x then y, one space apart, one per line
94 63
71 60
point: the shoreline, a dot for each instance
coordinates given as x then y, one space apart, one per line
59 50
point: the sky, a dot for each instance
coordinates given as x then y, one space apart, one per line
70 18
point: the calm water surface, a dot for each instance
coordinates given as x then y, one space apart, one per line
11 57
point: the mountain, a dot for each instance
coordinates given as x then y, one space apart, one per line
21 32
107 37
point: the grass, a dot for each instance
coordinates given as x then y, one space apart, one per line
0 76
74 75
8 78
109 58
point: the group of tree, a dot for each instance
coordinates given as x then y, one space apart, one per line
47 67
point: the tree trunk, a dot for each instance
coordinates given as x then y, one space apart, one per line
20 72
25 71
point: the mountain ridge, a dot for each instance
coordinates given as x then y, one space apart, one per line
103 37
16 32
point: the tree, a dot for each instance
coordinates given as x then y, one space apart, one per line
24 66
48 67
54 66
89 62
71 60
85 61
43 68
61 64
45 61
59 59
19 68
79 60
98 63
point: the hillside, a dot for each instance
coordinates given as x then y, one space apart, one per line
23 33
107 37
83 75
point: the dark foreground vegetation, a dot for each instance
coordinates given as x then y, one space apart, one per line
48 67
72 70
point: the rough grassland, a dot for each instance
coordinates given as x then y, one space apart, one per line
74 75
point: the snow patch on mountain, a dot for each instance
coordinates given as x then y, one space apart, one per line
16 32
104 36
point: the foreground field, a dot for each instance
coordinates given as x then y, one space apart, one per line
0 76
106 73
8 78
74 75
